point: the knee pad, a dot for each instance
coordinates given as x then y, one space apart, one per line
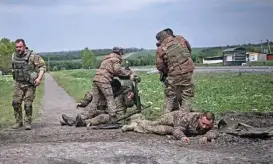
16 104
28 106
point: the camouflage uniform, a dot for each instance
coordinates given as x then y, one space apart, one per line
110 67
25 70
177 123
100 114
173 56
121 101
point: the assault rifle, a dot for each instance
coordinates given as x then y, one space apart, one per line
163 76
115 124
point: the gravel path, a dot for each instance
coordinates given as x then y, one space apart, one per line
50 143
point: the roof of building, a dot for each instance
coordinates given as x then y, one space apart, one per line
234 49
213 57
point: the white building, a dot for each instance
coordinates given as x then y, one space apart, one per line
254 56
213 60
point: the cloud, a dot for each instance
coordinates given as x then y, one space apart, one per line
79 6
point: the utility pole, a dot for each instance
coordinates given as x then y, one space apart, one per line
268 46
48 60
261 46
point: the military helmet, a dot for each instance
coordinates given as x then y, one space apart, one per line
160 36
118 50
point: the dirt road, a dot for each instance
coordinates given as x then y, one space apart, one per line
50 143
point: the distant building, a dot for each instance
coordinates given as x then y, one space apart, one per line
269 57
213 60
254 56
234 56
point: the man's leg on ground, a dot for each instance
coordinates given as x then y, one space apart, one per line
170 96
29 98
188 89
17 105
100 119
80 119
146 126
107 91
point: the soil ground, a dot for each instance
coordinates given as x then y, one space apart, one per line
50 143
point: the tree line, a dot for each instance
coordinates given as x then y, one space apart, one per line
91 58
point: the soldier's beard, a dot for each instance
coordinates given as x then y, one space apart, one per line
20 52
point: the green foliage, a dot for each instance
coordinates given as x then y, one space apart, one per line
6 110
88 59
261 63
65 64
142 57
6 50
214 92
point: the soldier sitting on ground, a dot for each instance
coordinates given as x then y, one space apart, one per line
180 124
123 95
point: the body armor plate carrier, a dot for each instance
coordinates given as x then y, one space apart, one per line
21 69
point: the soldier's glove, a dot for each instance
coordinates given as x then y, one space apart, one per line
203 140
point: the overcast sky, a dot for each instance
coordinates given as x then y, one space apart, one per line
54 25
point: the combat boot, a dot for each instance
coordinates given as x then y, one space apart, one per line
18 115
17 125
27 126
79 121
68 120
28 116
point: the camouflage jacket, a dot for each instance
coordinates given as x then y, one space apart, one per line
110 67
186 124
182 40
35 62
161 64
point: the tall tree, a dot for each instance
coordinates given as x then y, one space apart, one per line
6 50
88 58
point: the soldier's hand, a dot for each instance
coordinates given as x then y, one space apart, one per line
37 82
132 76
78 105
203 140
186 139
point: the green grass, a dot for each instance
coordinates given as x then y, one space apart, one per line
261 63
6 111
144 53
214 92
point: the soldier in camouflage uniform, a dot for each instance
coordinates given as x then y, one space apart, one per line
179 38
174 58
180 124
110 67
123 96
28 69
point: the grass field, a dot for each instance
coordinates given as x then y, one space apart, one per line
6 110
144 53
214 92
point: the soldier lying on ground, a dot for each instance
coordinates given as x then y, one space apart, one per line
123 95
180 124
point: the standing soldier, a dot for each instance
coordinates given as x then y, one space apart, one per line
173 58
110 67
28 69
178 37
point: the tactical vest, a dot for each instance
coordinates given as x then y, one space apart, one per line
21 69
175 55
